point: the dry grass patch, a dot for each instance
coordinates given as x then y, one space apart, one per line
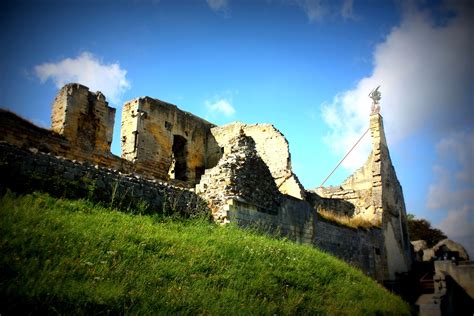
353 222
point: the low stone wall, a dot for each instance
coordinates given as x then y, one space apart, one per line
453 290
294 218
29 170
462 273
361 248
24 134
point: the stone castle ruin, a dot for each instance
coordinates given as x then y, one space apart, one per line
242 171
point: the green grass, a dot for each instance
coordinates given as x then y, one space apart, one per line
73 257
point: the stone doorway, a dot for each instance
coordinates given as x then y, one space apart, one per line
179 169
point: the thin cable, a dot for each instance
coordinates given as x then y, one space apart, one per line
344 157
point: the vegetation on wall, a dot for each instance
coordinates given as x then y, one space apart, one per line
347 221
421 229
74 257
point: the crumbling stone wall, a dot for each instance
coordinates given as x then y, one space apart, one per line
21 133
164 141
158 140
377 195
241 189
272 147
28 170
359 190
81 129
240 174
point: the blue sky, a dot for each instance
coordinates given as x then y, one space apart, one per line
305 66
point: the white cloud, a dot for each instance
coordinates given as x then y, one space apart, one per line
443 194
220 106
459 226
453 184
219 6
347 10
317 10
314 9
426 72
86 69
452 191
460 147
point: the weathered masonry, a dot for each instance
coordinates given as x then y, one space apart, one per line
81 129
376 194
164 141
83 118
242 171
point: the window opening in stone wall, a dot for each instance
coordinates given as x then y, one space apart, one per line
199 171
135 140
179 169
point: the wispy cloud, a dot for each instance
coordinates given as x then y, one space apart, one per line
460 147
443 192
426 75
452 191
459 226
152 2
347 10
314 9
220 107
318 10
220 7
88 70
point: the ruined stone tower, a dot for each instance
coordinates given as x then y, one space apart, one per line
377 196
84 118
165 142
389 202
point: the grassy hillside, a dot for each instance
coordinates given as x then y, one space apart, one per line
62 256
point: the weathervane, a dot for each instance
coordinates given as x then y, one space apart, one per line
375 95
